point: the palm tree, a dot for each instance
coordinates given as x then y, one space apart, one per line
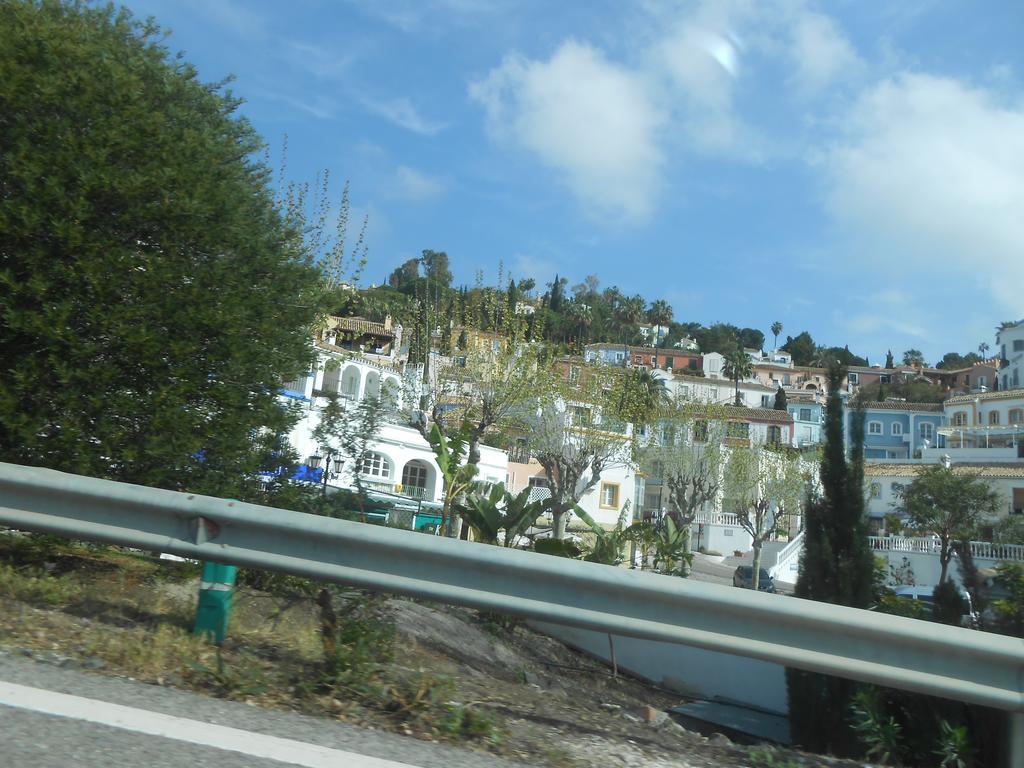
776 330
738 366
823 357
660 313
983 349
629 312
643 396
582 317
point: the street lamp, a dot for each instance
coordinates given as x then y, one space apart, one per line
327 469
313 462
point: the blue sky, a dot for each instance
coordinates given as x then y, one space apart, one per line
855 169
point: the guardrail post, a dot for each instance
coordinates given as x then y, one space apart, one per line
1016 746
216 590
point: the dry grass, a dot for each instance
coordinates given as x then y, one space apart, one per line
456 675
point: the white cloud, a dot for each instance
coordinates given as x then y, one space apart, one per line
700 67
585 116
820 53
402 113
415 185
929 173
609 128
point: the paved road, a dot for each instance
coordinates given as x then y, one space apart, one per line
721 573
51 717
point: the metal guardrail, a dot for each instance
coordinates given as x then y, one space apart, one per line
887 650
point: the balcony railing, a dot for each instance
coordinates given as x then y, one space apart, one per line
397 489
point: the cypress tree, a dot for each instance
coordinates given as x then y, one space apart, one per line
780 400
837 567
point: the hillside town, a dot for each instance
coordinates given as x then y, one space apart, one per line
281 483
976 428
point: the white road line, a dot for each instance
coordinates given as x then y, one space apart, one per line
183 729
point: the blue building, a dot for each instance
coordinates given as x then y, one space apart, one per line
808 418
607 354
897 430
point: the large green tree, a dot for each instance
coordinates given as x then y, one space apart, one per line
152 297
685 452
914 357
765 487
837 567
949 504
801 347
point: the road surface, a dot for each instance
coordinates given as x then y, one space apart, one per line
52 717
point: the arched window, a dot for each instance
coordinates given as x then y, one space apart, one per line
375 465
927 430
372 389
332 375
897 428
959 419
350 382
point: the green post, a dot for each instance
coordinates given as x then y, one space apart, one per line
215 592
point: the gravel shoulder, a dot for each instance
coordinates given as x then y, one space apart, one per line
100 613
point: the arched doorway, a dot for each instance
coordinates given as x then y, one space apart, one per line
418 480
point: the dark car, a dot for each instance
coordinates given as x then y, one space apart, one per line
744 577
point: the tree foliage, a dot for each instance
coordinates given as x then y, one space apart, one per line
952 361
576 435
837 567
346 431
685 451
781 401
951 505
765 487
153 297
914 357
451 449
801 347
738 367
491 513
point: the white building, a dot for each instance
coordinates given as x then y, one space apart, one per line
984 426
707 389
882 478
1010 342
401 466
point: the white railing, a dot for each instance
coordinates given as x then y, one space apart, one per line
397 489
930 546
717 518
787 556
